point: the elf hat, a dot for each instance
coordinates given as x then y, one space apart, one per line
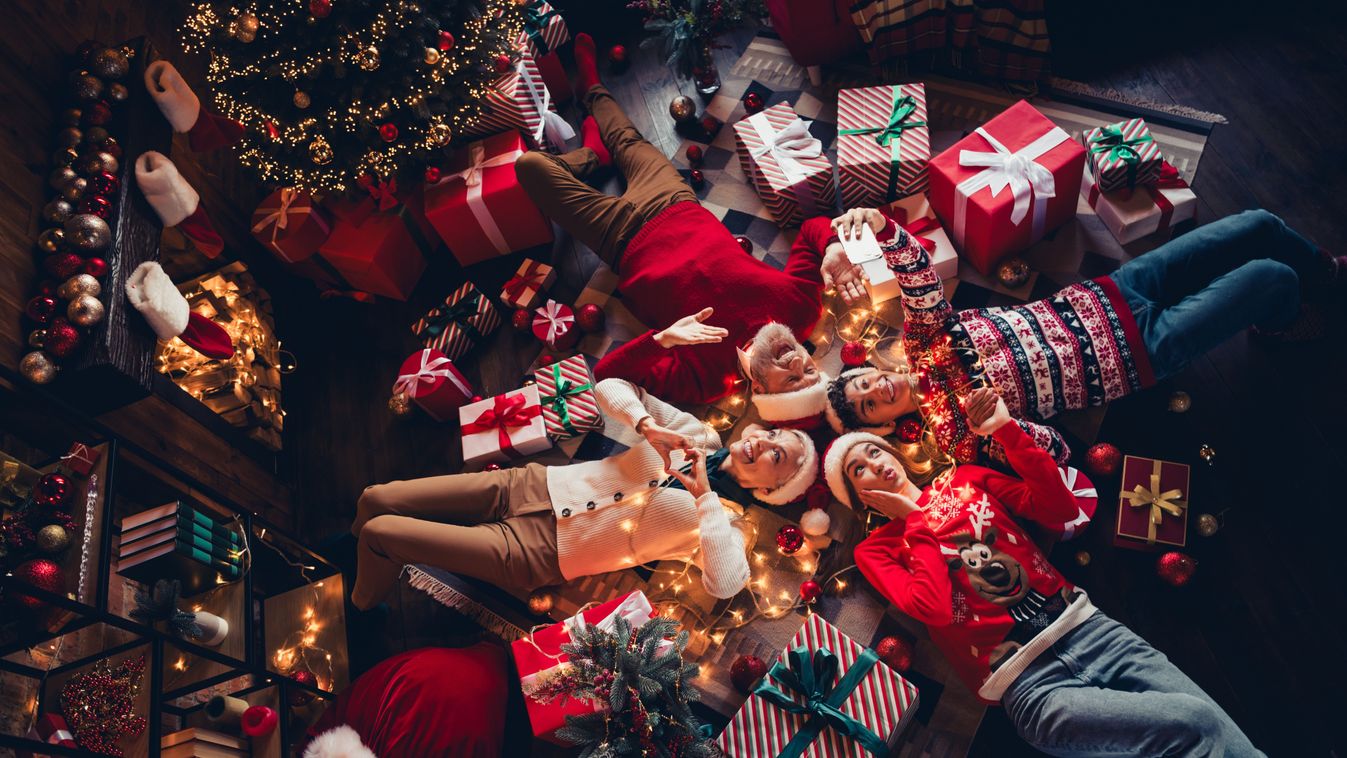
836 454
794 488
795 408
838 411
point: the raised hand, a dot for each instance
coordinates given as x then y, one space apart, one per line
690 330
665 441
848 225
890 504
696 482
841 274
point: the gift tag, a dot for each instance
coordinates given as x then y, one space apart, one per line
866 253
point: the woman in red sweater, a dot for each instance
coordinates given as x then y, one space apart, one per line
1073 681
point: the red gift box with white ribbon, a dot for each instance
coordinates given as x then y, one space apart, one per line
290 225
786 165
554 325
432 381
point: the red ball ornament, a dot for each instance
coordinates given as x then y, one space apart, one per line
810 590
854 354
96 205
432 174
320 8
476 399
522 320
52 490
491 467
789 539
98 114
745 671
1103 459
697 178
300 697
42 574
48 288
617 54
62 338
895 652
546 359
388 131
104 184
909 430
96 267
745 243
502 63
753 103
710 124
590 317
1175 569
446 42
41 309
817 496
63 265
695 155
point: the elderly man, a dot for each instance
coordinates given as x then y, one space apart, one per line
681 271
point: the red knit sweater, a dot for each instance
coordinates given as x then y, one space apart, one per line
685 260
963 567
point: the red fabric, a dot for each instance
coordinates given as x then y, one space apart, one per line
201 232
903 559
556 80
212 131
685 260
207 337
814 32
434 701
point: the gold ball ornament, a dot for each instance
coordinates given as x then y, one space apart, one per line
87 234
438 135
57 212
86 86
1180 402
301 99
368 58
37 367
70 136
37 338
1207 524
320 152
110 63
683 109
60 177
51 241
52 538
1083 558
431 56
117 92
75 189
400 404
541 602
1013 273
1208 454
80 284
85 310
64 156
244 28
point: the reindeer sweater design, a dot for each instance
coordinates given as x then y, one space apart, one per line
1012 603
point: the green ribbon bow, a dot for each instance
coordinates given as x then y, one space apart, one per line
890 135
1110 141
565 388
535 21
816 679
459 314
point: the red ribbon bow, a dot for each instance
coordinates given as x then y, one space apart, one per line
507 413
384 193
532 278
915 228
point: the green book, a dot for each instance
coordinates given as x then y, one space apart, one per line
155 532
185 534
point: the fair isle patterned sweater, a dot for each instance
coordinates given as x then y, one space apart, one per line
1079 348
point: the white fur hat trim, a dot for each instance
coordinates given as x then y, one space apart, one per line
338 742
832 462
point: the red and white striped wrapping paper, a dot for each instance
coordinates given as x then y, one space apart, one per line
520 100
865 167
789 172
552 34
884 702
50 728
1111 173
450 337
582 408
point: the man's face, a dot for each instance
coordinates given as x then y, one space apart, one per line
765 457
880 397
870 467
779 363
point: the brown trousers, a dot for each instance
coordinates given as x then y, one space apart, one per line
603 222
493 525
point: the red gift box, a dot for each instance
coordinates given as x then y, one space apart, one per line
382 252
431 380
288 224
52 729
480 209
554 325
1153 504
1001 188
539 657
1087 502
81 458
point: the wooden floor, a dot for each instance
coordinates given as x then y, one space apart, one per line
1257 628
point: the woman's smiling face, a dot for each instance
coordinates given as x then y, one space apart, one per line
870 467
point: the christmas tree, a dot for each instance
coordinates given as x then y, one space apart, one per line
340 92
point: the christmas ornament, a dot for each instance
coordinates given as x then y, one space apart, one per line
299 696
400 404
52 538
682 109
1180 402
62 338
617 55
51 240
589 317
63 265
36 338
695 156
301 99
710 124
97 162
1013 273
60 177
95 135
87 234
104 183
71 117
817 496
446 42
1103 459
75 189
259 721
439 135
57 212
753 103
895 652
40 573
96 267
546 359
745 243
52 490
85 310
1175 569
432 174
64 156
368 58
1207 524
697 178
1083 558
320 8
79 284
491 467
815 522
854 354
745 671
272 131
789 539
1208 454
98 114
541 602
96 205
37 368
40 309
388 131
503 63
69 137
117 92
109 63
86 86
245 26
810 590
320 152
430 56
522 320
99 704
909 431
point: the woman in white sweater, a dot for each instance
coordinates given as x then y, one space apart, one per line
535 525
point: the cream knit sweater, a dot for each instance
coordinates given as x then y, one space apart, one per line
612 514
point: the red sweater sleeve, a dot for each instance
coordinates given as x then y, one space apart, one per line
921 589
806 255
659 370
1039 494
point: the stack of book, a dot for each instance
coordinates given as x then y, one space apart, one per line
195 742
175 541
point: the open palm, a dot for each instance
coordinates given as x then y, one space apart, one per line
691 330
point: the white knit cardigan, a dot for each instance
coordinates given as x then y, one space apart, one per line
613 513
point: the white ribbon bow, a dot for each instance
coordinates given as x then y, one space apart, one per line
788 146
551 125
472 178
1030 182
1082 519
427 373
556 320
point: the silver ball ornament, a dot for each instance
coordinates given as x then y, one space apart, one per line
85 310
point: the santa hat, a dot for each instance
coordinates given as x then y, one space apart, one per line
165 309
338 742
837 399
836 454
176 202
180 105
794 488
794 409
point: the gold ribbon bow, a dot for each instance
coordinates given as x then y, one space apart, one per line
1160 502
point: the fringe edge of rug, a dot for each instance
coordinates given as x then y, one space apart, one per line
452 598
1108 93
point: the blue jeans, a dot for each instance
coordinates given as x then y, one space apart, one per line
1195 292
1103 691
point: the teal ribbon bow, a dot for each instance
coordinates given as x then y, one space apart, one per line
565 388
815 678
535 22
459 314
890 135
1110 142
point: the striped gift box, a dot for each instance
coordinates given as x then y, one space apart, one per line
517 100
544 29
569 406
1123 155
785 165
883 144
457 326
882 701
